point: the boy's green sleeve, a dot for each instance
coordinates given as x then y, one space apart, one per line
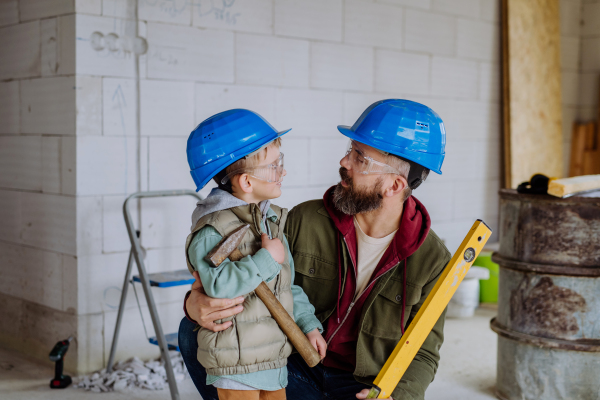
304 312
230 279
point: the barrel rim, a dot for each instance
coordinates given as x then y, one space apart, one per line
590 345
513 194
547 269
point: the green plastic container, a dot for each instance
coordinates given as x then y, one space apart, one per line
488 289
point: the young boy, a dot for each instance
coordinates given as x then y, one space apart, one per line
240 151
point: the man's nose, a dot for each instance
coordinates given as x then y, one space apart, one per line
344 162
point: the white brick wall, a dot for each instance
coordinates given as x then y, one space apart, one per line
36 9
267 60
212 99
9 107
341 67
203 55
167 108
108 165
454 78
10 212
48 105
570 17
48 222
431 33
22 42
402 72
467 8
168 167
478 40
310 19
9 12
174 12
309 113
371 24
119 107
21 162
245 16
58 48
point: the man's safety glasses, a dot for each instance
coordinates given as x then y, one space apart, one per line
270 173
364 164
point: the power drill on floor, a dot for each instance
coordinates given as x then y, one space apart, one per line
57 355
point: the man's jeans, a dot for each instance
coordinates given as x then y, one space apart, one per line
304 383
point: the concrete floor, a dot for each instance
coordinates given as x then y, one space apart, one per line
467 370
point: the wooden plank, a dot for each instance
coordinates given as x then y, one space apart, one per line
569 186
506 163
534 94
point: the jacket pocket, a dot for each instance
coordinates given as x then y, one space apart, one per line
384 318
318 279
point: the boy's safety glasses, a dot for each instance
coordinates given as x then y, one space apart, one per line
270 173
364 164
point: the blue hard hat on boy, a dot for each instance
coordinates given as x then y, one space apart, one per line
223 139
409 130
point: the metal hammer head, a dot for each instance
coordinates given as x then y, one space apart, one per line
226 246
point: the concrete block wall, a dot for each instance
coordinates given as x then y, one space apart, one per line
38 204
71 149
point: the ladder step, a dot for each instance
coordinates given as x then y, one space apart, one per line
172 341
167 279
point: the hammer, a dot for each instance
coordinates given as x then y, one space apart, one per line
227 248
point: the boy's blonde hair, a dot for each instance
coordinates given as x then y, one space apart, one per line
255 159
246 162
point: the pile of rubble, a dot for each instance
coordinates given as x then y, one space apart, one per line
133 373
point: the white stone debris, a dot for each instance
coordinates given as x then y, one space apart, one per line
133 373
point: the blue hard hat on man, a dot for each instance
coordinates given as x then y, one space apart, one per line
406 129
225 138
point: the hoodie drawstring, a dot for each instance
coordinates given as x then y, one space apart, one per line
403 295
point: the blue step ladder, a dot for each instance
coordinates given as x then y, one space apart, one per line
160 280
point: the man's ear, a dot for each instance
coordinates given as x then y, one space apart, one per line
398 185
244 183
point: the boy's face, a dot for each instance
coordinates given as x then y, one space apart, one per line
263 190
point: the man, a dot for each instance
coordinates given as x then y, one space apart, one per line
364 255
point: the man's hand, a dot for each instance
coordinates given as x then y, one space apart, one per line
205 310
273 246
316 339
363 394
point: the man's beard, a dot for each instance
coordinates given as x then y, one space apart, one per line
351 200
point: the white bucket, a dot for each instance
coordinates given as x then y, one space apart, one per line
466 299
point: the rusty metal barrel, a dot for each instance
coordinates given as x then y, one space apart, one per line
548 321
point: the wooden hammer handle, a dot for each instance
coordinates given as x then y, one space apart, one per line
287 325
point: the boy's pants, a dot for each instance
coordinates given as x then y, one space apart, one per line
229 394
304 383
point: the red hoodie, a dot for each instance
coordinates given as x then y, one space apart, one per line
341 328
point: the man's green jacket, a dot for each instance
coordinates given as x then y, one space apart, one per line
322 241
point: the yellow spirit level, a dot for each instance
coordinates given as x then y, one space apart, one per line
430 312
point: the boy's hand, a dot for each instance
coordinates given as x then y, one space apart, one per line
318 342
274 247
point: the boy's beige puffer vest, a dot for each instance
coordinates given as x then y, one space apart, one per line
254 342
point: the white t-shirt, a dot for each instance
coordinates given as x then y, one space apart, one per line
370 251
